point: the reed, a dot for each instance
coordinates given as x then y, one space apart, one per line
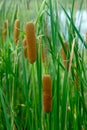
64 56
25 47
43 55
56 100
76 80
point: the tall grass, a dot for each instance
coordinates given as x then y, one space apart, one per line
21 91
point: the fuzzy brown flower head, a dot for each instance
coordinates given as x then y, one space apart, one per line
47 93
16 31
31 42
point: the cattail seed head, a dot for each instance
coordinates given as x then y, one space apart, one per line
31 42
5 30
64 56
47 83
47 93
16 31
25 48
47 99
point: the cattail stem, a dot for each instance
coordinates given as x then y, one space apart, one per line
64 56
43 55
31 42
25 48
76 80
47 93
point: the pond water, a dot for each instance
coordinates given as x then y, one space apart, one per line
80 20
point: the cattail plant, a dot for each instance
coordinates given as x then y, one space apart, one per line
76 76
86 36
5 30
31 42
16 31
64 56
41 47
47 93
25 47
76 80
28 4
43 55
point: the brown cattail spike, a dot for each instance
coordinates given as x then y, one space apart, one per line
25 48
47 93
16 31
31 42
64 56
5 30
